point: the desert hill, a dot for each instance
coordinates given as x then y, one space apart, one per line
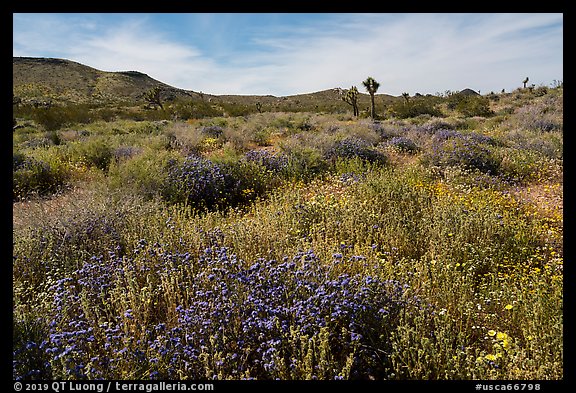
66 81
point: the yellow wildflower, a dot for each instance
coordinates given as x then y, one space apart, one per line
501 336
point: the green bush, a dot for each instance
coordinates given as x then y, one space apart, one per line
32 177
470 105
92 153
415 108
305 163
55 117
144 174
247 180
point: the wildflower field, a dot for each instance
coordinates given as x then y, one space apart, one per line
297 245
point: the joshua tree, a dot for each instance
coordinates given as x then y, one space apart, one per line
525 81
152 96
259 106
351 97
406 97
371 87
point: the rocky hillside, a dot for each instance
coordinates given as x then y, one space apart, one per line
60 80
65 81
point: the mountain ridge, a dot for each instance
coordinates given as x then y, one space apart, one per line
62 80
69 81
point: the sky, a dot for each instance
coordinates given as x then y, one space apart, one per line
284 54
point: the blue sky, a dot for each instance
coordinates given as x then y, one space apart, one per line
293 53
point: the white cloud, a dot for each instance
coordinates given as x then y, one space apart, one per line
411 52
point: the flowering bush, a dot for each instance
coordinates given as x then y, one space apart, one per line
212 131
402 144
125 152
197 181
450 148
272 162
354 147
295 318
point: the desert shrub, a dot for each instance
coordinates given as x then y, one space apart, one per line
213 131
402 144
124 127
540 91
355 147
237 109
549 144
53 137
34 177
246 180
542 116
442 135
273 162
143 174
96 153
18 160
305 163
237 138
54 117
262 136
450 148
196 182
414 108
440 124
385 131
181 136
122 153
185 109
36 142
524 165
470 105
